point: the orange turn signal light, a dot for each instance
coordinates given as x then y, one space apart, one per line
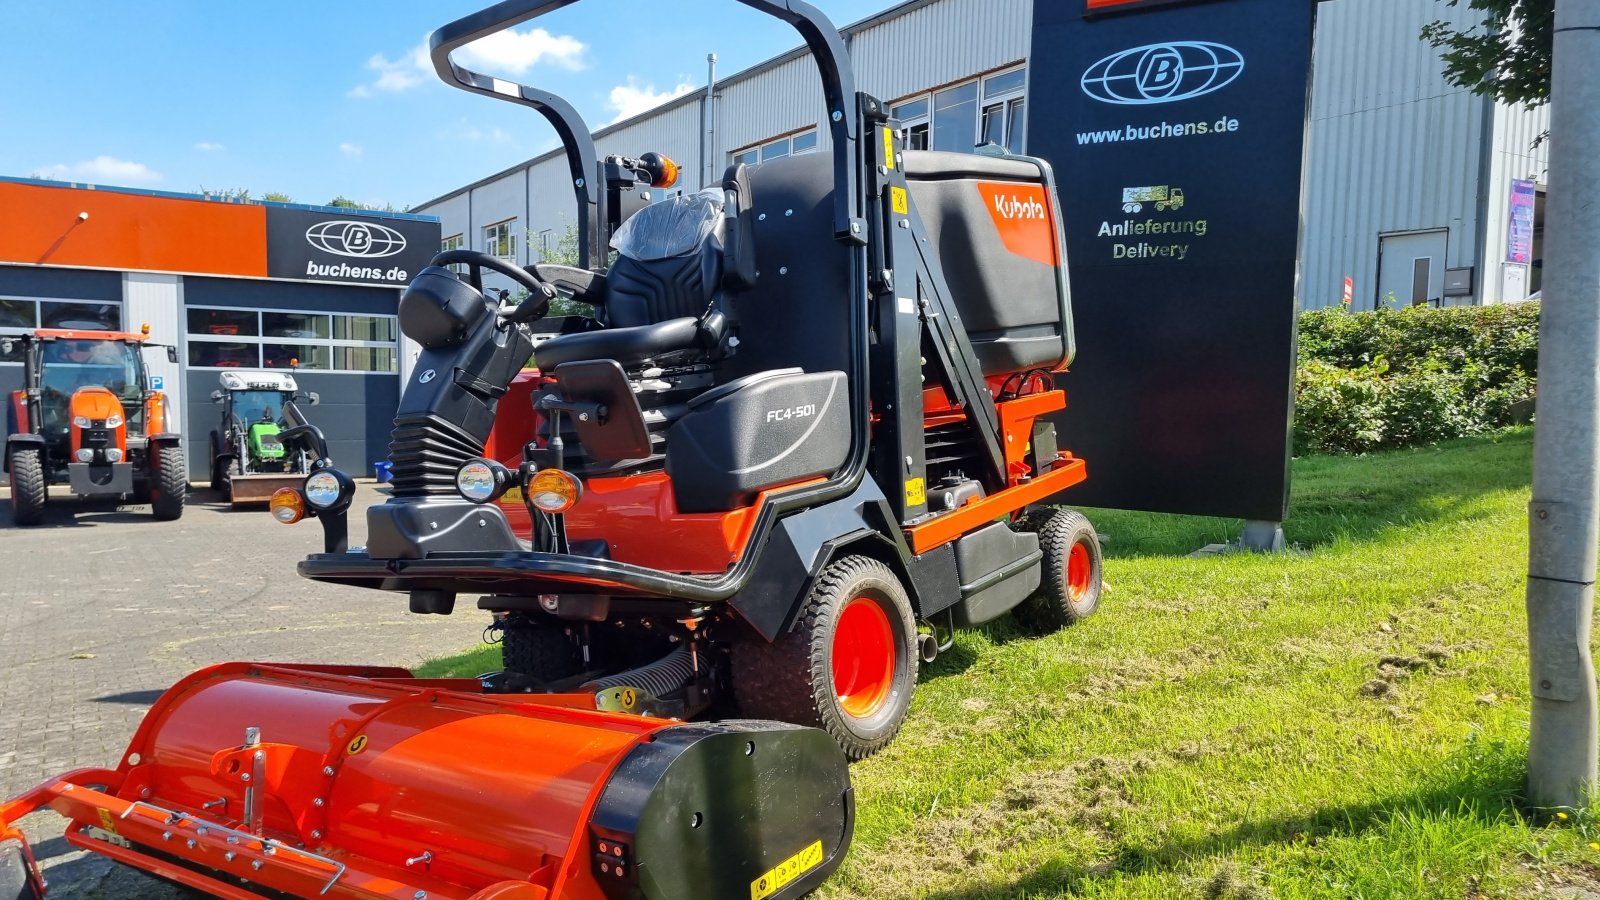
287 505
554 491
669 174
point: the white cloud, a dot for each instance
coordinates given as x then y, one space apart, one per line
631 99
102 169
208 147
504 52
515 52
349 149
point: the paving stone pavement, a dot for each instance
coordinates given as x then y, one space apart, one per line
102 608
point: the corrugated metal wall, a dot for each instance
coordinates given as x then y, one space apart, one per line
943 42
1513 156
1393 147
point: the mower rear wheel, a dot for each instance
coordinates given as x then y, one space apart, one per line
28 488
539 649
15 881
169 483
849 666
1073 572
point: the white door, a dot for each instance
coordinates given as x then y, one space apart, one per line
1411 268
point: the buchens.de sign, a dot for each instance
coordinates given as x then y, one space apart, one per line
1182 124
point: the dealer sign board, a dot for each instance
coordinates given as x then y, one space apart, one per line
1177 132
352 249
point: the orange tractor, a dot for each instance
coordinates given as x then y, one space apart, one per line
86 417
803 439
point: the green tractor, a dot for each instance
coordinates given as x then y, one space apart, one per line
249 458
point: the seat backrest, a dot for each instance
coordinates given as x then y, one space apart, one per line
670 261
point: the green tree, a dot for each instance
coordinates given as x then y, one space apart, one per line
277 197
565 253
343 202
1506 55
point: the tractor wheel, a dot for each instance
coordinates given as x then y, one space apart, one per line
849 666
169 482
539 649
1073 573
28 488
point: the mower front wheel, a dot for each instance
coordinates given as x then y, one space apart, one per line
849 666
1073 572
28 488
169 482
538 649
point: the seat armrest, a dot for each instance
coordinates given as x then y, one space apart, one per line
582 285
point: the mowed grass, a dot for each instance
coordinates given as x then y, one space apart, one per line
1348 721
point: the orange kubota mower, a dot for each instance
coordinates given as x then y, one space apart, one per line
799 442
87 417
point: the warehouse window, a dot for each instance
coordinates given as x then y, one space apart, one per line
498 239
962 117
21 315
454 242
789 145
278 339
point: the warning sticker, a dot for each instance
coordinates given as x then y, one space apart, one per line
357 745
897 197
916 492
888 148
786 871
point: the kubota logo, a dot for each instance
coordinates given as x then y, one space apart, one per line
365 240
1016 208
1163 73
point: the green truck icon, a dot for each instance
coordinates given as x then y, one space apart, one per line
1165 198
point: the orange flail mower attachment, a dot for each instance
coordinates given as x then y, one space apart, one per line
366 783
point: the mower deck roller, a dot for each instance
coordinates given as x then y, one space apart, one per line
253 780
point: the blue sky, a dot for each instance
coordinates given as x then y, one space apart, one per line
321 99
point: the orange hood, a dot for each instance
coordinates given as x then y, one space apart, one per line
95 403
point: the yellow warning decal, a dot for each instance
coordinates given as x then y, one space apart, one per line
916 492
786 871
357 745
897 197
107 821
888 148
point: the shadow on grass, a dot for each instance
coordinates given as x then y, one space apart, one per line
1358 498
1482 784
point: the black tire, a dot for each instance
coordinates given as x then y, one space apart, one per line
29 492
15 881
794 679
1070 589
169 481
539 649
216 467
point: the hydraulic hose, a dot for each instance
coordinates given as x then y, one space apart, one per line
658 679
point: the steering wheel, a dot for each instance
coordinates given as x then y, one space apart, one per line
540 293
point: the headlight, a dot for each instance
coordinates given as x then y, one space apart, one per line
287 505
84 454
323 489
554 491
113 421
113 455
81 421
482 480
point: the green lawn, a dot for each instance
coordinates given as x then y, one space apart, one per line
1347 721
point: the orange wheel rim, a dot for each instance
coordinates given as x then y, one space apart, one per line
1080 570
863 658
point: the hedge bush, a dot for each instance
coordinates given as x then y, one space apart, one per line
1401 377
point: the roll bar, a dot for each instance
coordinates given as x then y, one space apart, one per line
820 35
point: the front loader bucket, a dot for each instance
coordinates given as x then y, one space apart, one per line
253 780
256 490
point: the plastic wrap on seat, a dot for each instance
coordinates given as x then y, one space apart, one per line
671 228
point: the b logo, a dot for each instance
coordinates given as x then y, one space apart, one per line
1163 73
358 239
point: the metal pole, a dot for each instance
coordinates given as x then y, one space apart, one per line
708 140
1564 528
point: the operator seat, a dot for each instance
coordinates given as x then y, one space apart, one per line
661 301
